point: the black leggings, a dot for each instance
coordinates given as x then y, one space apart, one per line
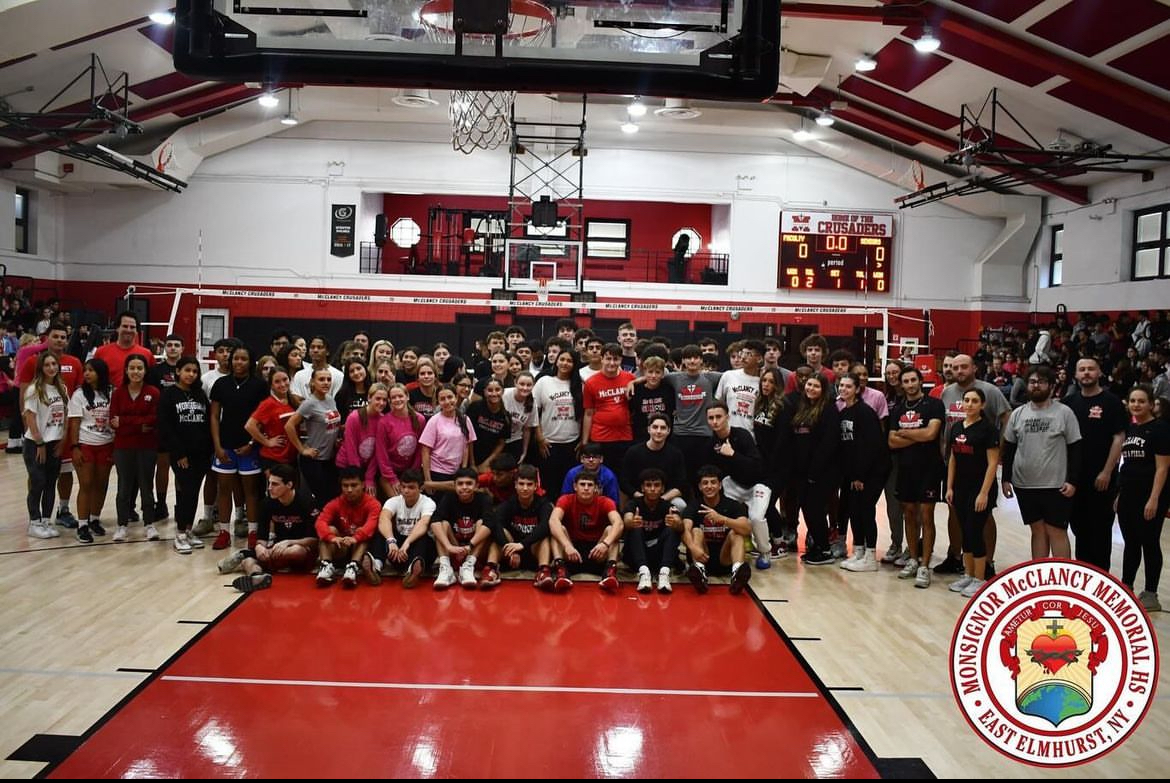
1142 536
972 522
860 507
321 479
560 460
813 499
187 481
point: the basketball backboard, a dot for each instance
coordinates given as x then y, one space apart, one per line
703 49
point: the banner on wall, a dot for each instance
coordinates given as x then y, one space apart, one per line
342 230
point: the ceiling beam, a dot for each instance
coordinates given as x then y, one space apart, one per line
882 122
891 15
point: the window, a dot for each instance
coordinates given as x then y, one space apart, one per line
607 238
405 232
1056 259
694 241
1151 243
23 207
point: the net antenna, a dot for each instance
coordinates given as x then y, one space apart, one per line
479 119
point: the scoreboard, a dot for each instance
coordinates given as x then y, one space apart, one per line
836 251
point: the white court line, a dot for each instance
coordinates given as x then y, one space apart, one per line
426 686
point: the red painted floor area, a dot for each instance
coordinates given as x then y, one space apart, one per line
386 682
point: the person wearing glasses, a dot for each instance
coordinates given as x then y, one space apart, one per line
593 459
1041 462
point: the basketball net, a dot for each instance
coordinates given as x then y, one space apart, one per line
542 289
479 119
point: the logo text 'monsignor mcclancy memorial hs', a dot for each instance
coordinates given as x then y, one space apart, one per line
1054 663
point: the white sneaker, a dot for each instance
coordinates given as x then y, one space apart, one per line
181 545
909 570
467 574
645 583
350 577
51 528
446 576
151 533
858 555
922 579
867 562
892 553
38 529
901 560
194 541
664 585
325 574
972 587
232 563
120 534
959 585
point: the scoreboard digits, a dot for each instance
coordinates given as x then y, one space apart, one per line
833 251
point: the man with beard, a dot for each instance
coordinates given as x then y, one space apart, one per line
1102 418
1041 459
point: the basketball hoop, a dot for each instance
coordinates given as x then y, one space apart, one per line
542 289
482 120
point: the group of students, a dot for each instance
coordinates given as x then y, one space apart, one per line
817 441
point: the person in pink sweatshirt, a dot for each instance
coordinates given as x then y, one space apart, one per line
396 448
359 444
134 419
344 529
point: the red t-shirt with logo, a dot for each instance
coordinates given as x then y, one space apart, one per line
585 522
608 400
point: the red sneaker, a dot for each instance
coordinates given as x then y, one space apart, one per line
223 540
609 583
562 583
490 578
544 579
251 539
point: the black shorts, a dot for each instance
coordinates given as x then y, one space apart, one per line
586 566
1044 504
527 562
920 486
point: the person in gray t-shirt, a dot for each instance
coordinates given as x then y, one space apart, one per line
1041 460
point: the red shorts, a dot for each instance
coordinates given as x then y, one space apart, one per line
98 455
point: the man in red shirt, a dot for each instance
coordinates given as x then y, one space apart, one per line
607 407
344 529
56 338
588 520
114 354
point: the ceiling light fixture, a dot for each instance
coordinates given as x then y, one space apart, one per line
801 134
162 17
865 63
825 119
629 127
289 118
927 42
636 108
268 100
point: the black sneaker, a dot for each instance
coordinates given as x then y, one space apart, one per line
813 557
952 565
698 576
96 527
161 512
740 578
989 570
83 534
246 584
65 518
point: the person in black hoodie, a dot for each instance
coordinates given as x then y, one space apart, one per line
733 450
812 441
184 432
865 460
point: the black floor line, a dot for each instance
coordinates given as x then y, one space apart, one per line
135 671
155 674
887 768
